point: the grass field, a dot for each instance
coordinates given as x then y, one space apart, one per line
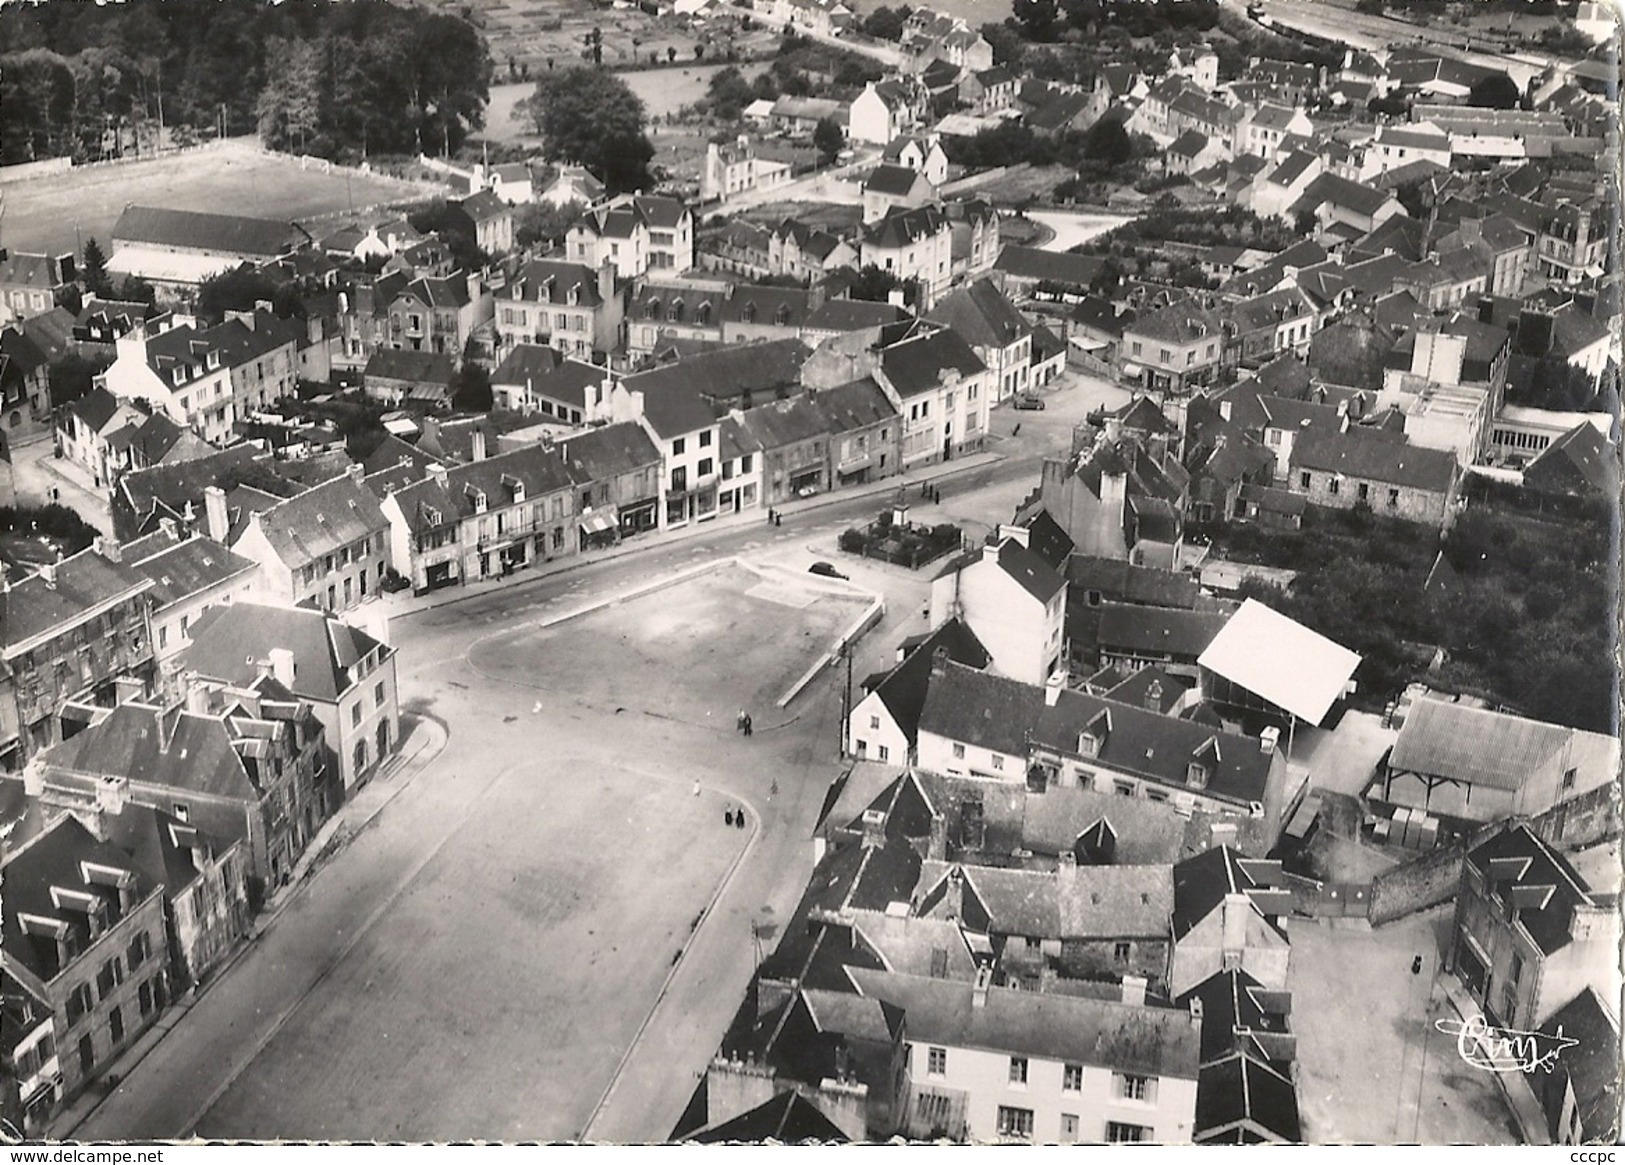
55 214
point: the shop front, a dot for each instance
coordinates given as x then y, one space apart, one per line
599 529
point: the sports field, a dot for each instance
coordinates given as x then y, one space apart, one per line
56 213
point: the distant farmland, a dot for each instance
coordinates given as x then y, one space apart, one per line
55 213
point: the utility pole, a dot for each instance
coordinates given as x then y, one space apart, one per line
846 696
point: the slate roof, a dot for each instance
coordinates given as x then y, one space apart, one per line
187 567
1181 634
675 394
851 315
1139 741
1035 576
527 362
1117 1036
1592 1067
554 282
57 858
1517 859
788 1118
1201 884
1049 266
903 227
1119 579
308 526
173 747
981 709
1241 1090
194 230
853 406
903 689
1582 454
1189 144
893 180
1355 196
35 608
1070 902
981 315
600 454
229 640
1476 745
406 364
781 423
1178 323
1359 454
916 363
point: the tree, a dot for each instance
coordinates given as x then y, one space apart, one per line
699 51
289 107
671 54
543 222
591 118
71 376
729 93
241 289
828 139
1107 143
1008 47
1039 20
1496 91
873 284
134 289
886 23
471 388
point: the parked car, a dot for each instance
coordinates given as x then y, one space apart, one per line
1026 400
826 569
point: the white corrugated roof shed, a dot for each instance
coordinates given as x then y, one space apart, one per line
1281 660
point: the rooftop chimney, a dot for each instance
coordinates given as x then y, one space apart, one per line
282 666
1134 990
874 828
978 991
1153 696
1053 686
477 444
1269 740
214 506
437 473
109 548
1020 534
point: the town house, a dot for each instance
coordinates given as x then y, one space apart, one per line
84 934
637 234
326 547
29 284
1013 602
484 519
865 433
246 763
984 318
1175 349
1376 470
795 440
181 372
346 676
1227 917
567 306
1529 933
440 313
77 630
913 245
618 470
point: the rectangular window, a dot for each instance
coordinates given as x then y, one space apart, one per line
883 753
138 950
1303 480
936 1062
1331 485
1122 951
1072 1078
705 438
744 463
874 725
678 446
998 762
378 694
959 752
1134 1087
144 998
1118 1133
355 714
115 1025
1069 1128
1018 1069
1015 1122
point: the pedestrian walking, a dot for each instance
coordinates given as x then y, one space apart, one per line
1416 965
739 818
771 516
1016 432
778 518
739 721
728 815
747 724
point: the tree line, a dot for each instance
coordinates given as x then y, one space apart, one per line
335 80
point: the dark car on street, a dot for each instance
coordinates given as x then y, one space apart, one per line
1027 401
826 569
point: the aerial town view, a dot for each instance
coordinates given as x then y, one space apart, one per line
652 571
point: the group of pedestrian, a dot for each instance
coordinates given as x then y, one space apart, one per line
734 817
742 722
774 518
930 493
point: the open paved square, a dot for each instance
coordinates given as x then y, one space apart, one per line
1371 1067
495 996
696 651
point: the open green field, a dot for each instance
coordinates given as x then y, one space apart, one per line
54 214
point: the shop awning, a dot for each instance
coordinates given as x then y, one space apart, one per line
597 523
1131 370
857 464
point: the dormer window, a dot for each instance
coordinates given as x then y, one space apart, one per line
782 315
178 376
675 312
748 314
478 497
702 314
1196 775
516 488
651 310
213 360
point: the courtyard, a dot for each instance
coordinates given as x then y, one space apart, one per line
1371 1067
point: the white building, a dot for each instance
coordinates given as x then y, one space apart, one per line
1013 601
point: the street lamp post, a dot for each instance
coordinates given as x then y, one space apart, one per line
844 652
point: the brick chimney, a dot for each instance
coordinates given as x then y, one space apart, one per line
282 666
217 521
477 444
1134 990
109 548
874 828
